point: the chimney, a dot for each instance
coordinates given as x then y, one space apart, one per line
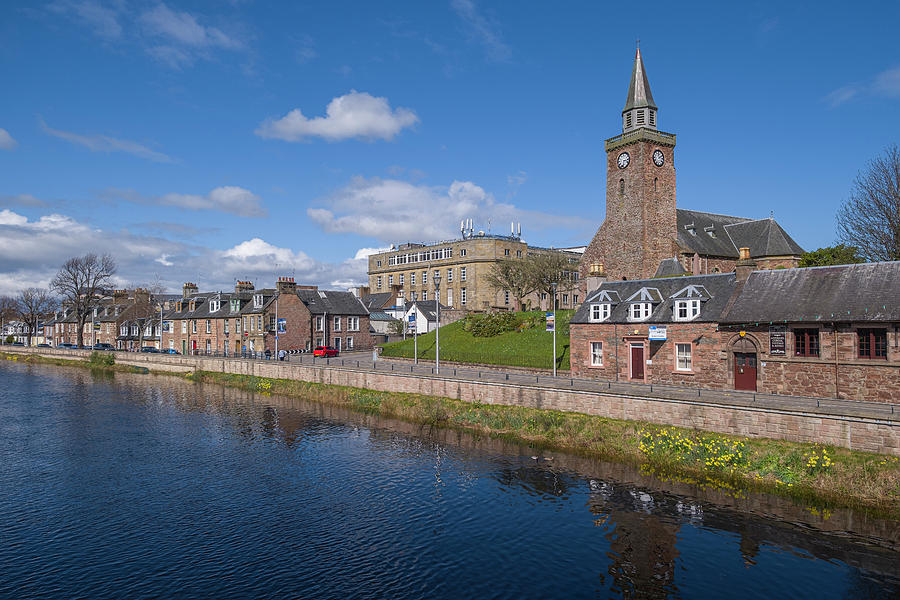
141 296
189 289
596 277
243 286
308 287
120 295
745 265
286 285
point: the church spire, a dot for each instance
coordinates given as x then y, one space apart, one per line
640 110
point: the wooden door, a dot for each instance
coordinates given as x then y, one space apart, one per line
745 371
637 361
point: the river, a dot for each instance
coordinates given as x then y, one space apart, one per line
144 486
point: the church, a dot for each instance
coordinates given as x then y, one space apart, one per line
644 234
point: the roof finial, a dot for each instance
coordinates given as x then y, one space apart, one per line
771 214
639 43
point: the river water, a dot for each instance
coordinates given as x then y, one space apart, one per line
141 486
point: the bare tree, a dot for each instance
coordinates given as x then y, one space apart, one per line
870 218
34 305
79 282
513 275
553 270
9 309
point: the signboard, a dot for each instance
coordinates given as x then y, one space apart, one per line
96 325
282 326
777 340
551 321
167 326
657 332
412 318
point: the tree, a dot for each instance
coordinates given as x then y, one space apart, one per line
80 281
831 255
513 275
9 308
870 218
553 271
34 305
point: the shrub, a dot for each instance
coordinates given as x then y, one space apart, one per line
491 325
102 359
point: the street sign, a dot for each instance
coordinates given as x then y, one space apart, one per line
551 321
282 326
412 318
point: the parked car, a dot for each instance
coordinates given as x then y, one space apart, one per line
169 351
18 344
325 352
149 349
65 346
104 347
43 346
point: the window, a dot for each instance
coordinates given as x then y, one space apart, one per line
596 354
683 359
259 323
462 273
652 118
640 311
462 252
543 295
640 117
257 300
806 342
349 343
225 326
336 324
621 187
208 346
424 277
462 296
401 278
449 297
214 305
872 343
574 298
685 310
171 344
390 280
506 252
377 263
449 275
628 120
123 330
245 324
184 327
424 295
565 299
412 279
208 326
320 323
237 325
505 296
194 326
352 324
378 282
600 312
412 296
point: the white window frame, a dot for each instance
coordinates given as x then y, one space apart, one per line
402 275
462 273
225 325
449 275
424 277
640 311
378 282
352 324
412 278
684 361
600 312
690 307
462 296
184 327
336 324
424 295
257 300
390 280
349 341
449 297
596 352
320 323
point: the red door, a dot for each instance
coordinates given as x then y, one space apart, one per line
744 371
637 361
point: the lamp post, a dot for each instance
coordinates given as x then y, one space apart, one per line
554 329
437 329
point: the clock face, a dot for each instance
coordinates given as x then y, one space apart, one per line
623 160
659 158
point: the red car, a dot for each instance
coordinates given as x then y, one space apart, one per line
325 351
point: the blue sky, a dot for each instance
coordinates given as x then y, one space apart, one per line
212 140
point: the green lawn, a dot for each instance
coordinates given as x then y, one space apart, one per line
529 347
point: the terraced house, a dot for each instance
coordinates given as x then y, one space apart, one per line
822 332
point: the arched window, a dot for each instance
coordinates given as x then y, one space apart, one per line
655 181
621 187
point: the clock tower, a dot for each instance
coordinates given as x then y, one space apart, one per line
640 228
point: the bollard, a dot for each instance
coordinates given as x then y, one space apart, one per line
507 376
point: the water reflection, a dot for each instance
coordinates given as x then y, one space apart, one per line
265 495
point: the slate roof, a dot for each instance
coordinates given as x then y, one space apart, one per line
380 316
723 235
845 293
334 303
669 267
719 287
377 301
428 308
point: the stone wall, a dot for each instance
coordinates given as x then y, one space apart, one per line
858 433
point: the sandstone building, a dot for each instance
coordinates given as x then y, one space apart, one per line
644 233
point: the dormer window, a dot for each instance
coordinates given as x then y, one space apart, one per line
178 306
214 305
600 312
686 310
192 306
691 229
640 311
257 300
711 231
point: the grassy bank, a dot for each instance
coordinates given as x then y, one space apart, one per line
97 360
528 345
825 476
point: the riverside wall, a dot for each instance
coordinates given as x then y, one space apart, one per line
857 433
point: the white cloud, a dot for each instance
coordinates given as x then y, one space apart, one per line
104 143
228 199
482 31
885 84
395 211
23 200
363 253
6 141
353 115
32 251
182 39
103 19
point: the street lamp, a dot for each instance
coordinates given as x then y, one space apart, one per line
437 329
554 329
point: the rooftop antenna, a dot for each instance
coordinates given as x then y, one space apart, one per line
771 214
